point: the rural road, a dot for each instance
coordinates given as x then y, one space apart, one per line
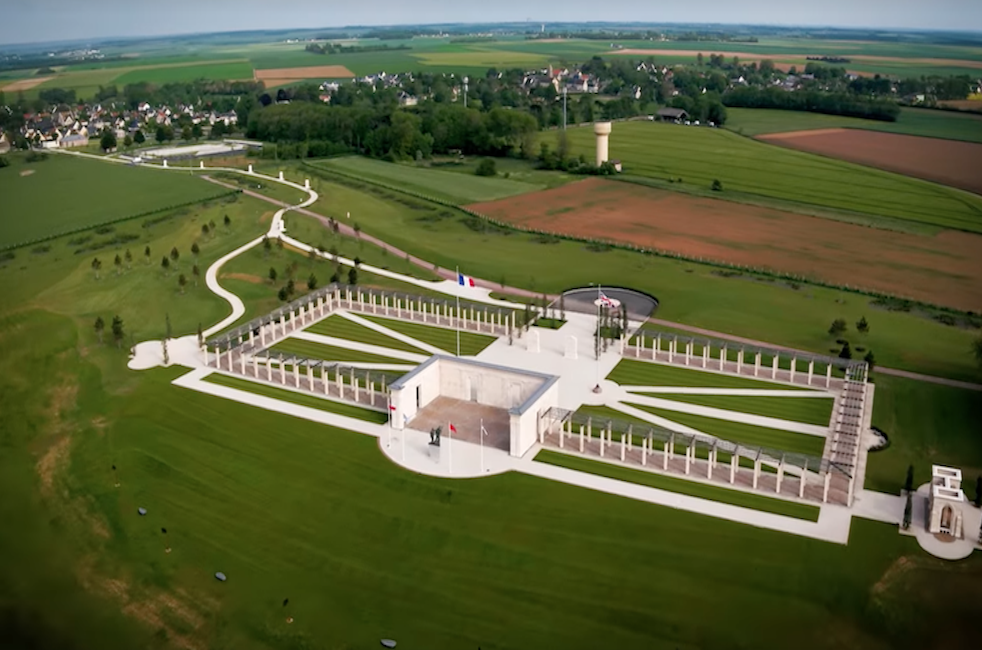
515 291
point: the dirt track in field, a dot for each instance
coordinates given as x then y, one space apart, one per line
280 76
949 162
944 269
25 84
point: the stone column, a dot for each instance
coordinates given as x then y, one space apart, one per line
242 363
740 361
622 447
644 451
734 461
709 463
296 374
825 492
780 476
828 375
811 370
756 471
269 368
794 366
664 455
250 336
603 439
688 352
582 437
774 364
705 355
672 347
325 381
757 364
722 357
688 456
282 372
340 384
801 484
409 305
354 384
310 377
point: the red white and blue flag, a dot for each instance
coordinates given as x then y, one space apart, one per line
605 301
465 280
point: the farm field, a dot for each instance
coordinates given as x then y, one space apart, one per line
942 269
739 304
912 121
89 192
699 155
943 161
443 185
679 485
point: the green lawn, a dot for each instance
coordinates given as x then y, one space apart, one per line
64 193
913 121
343 328
810 410
680 485
927 424
303 399
630 372
750 168
745 434
444 185
688 293
329 352
441 337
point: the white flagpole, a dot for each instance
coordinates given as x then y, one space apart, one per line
457 318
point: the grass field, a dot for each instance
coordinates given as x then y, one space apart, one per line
745 434
680 485
699 155
913 121
303 399
630 372
688 293
447 186
346 329
214 71
441 337
328 352
810 410
64 193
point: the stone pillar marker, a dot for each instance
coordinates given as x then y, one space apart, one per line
269 368
740 361
780 476
825 492
324 380
296 374
811 370
801 483
722 357
664 455
581 438
794 366
734 460
774 364
757 363
281 175
756 471
828 375
622 447
250 169
310 376
242 362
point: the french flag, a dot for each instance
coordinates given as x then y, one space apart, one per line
465 280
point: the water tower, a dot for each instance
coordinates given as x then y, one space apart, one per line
602 131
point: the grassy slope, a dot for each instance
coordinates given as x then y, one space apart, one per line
444 185
346 329
64 193
441 337
922 122
810 410
927 424
329 352
630 372
680 485
298 398
688 293
745 434
699 155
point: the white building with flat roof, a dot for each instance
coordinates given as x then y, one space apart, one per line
947 502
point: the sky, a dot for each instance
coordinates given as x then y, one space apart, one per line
27 21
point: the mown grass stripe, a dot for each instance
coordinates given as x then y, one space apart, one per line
808 410
440 337
630 372
314 350
343 328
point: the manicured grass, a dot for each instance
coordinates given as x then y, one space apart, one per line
64 193
810 410
346 329
680 486
293 397
549 323
457 188
745 434
630 372
927 424
913 121
441 337
329 352
699 155
687 292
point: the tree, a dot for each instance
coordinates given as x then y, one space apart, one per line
100 326
291 288
204 229
838 327
357 261
279 243
163 133
908 511
357 228
862 326
977 350
211 224
846 351
163 344
146 254
870 360
139 138
175 255
909 481
128 140
227 221
266 246
272 274
352 276
182 282
196 132
96 265
699 60
717 185
195 250
978 492
108 140
118 263
282 294
165 264
218 129
196 273
186 133
117 330
311 282
129 259
486 167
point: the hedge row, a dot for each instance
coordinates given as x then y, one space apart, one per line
609 244
111 222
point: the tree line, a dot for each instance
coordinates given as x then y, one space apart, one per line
813 101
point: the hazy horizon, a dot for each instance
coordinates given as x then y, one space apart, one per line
44 21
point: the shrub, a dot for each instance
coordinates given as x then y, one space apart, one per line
4 162
845 352
838 327
36 156
717 185
486 168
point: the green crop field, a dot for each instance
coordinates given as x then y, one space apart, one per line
688 293
340 327
313 350
745 434
64 193
162 75
810 410
913 121
680 485
441 337
443 185
698 155
630 372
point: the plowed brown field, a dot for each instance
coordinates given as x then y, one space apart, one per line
944 161
287 75
945 269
